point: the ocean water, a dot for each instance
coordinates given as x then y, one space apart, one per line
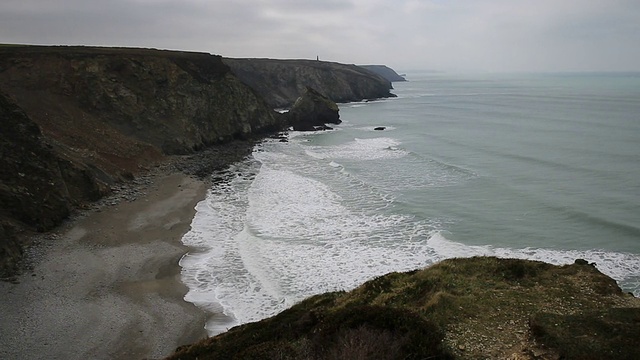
543 167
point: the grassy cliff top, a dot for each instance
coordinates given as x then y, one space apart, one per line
476 308
92 50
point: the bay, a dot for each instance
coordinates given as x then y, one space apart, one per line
536 166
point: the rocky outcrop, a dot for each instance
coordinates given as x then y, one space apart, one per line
10 249
312 111
475 308
280 82
38 183
38 186
384 71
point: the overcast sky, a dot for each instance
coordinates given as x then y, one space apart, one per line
485 35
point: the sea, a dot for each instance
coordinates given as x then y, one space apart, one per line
532 166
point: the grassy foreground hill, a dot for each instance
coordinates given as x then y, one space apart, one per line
476 308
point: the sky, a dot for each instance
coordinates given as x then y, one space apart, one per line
445 35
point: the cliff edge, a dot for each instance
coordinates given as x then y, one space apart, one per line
280 82
474 308
312 111
385 71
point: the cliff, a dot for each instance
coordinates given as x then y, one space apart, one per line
280 82
174 101
312 111
384 71
76 121
36 185
476 308
79 120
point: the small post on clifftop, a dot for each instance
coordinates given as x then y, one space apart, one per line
317 57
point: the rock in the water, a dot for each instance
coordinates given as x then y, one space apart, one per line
379 128
312 111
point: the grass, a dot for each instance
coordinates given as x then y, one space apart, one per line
607 334
316 329
460 308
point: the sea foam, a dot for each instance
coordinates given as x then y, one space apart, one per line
292 222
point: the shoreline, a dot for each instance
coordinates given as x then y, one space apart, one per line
106 285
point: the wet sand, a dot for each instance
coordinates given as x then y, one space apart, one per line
109 286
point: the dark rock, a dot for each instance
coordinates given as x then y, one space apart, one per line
379 128
312 111
116 94
280 136
38 187
10 251
384 71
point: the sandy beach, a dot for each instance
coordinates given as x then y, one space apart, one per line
109 286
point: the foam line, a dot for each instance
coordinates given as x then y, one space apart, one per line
294 221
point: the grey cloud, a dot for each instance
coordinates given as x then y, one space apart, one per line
480 34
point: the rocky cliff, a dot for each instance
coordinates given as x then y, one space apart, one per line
384 71
280 82
312 111
77 120
36 185
173 101
477 308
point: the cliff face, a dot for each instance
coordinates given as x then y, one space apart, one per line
38 185
173 101
77 120
281 82
384 71
312 111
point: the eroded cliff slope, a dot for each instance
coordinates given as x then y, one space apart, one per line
76 120
174 101
280 82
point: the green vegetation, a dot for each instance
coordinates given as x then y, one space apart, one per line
608 334
317 329
472 308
